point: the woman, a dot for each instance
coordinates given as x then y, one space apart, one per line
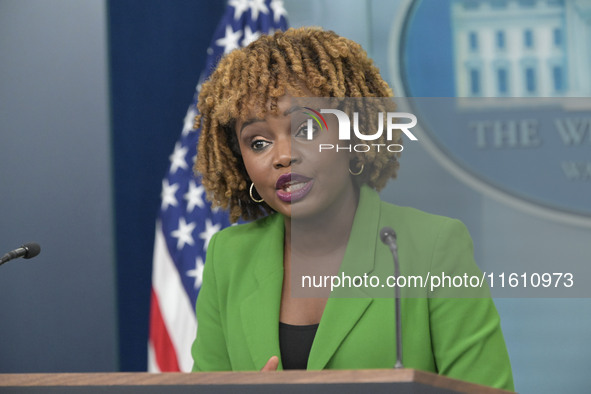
319 212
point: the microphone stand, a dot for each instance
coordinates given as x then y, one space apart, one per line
388 237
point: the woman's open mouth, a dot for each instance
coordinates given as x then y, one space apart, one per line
293 187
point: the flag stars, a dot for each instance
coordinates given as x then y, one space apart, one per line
257 6
230 40
189 121
168 194
177 159
197 272
210 230
249 36
183 233
240 6
194 196
278 10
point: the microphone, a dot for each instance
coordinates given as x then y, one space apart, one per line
27 251
388 237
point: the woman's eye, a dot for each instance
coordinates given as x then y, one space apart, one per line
305 128
258 145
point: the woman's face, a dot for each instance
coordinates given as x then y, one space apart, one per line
287 169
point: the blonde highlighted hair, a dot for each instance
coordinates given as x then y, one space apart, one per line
322 62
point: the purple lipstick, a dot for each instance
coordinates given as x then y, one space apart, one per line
293 187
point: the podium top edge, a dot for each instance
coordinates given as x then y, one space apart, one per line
243 378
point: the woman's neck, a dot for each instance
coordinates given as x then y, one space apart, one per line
318 243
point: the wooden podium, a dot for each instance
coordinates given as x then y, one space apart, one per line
284 382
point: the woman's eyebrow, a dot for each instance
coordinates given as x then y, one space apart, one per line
254 120
292 109
248 122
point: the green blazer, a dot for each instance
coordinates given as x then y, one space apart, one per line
238 305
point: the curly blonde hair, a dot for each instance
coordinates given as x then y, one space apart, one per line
322 62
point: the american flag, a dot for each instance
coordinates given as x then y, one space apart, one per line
186 221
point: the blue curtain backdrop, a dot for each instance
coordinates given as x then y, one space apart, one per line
157 50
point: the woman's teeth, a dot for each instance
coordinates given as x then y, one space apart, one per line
293 187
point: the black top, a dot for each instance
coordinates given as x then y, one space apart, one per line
295 343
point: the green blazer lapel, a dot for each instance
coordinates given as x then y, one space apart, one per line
338 319
260 310
346 306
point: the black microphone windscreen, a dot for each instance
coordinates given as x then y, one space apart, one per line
32 248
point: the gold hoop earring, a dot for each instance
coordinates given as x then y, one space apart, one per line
252 197
358 172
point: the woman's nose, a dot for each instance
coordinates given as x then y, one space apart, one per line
284 156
